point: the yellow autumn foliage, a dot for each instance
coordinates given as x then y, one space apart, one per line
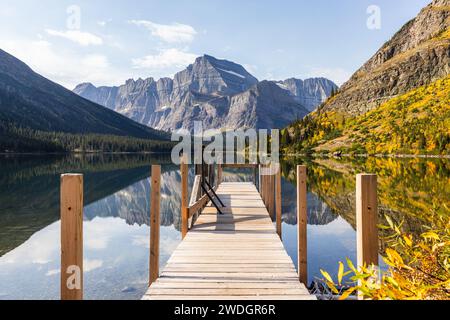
417 122
418 268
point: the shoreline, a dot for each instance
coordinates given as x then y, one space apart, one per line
77 153
314 155
394 156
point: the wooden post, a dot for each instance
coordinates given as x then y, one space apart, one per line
219 174
278 200
71 236
264 188
209 174
302 223
268 198
184 196
212 175
199 171
155 202
260 181
206 172
367 219
271 195
255 174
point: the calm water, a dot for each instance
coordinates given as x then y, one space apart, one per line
116 232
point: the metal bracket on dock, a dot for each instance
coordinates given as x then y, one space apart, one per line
212 198
215 194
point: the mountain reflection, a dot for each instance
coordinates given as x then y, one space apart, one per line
412 191
319 213
117 207
132 203
29 188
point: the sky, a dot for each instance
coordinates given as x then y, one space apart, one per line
107 42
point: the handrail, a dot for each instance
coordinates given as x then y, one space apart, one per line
198 200
199 204
195 190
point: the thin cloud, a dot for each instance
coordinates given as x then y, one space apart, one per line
90 265
95 61
169 58
64 66
79 37
173 33
337 75
103 23
53 272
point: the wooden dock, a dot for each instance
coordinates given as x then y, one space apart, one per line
237 255
234 256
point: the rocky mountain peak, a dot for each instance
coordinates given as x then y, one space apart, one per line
208 75
83 87
220 93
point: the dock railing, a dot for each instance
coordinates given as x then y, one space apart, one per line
266 178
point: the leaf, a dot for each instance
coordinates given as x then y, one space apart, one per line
340 272
392 281
347 293
408 240
333 288
360 277
424 247
388 262
430 235
326 275
389 220
347 273
351 266
395 257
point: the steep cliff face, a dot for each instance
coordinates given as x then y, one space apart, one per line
265 105
219 93
416 56
396 103
310 92
136 99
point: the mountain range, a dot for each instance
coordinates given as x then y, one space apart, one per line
32 101
37 115
220 93
397 102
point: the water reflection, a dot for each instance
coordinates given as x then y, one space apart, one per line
116 232
413 191
29 188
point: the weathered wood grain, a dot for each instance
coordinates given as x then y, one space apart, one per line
234 256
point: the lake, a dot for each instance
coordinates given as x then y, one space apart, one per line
116 215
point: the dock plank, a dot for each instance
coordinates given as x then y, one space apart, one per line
234 256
